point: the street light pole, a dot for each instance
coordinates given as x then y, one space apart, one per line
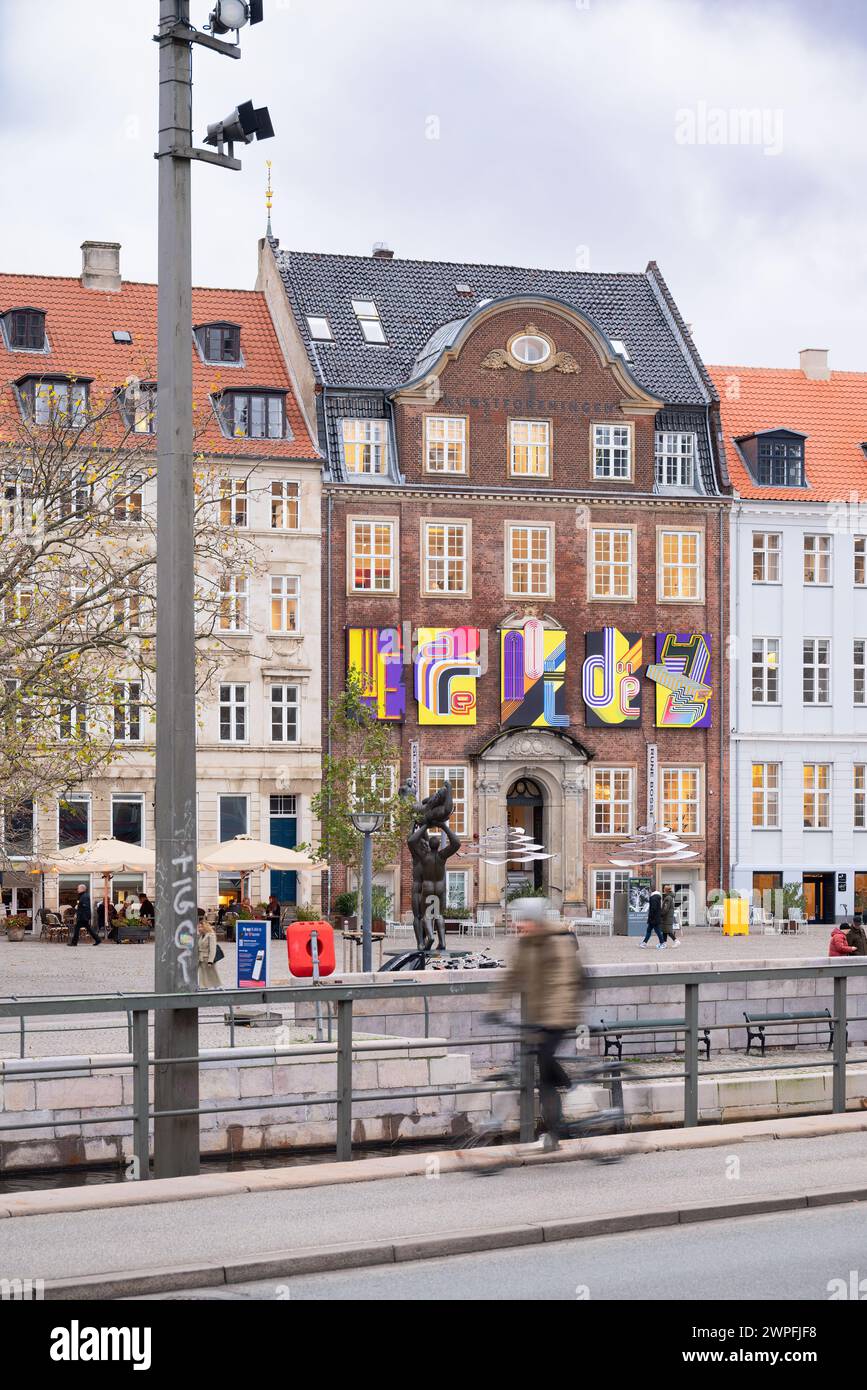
176 1085
367 904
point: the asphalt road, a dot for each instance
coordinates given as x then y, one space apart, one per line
788 1256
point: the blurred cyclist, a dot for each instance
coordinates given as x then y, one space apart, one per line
545 970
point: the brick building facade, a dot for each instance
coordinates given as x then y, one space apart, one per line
517 494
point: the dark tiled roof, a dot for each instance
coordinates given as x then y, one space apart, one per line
415 298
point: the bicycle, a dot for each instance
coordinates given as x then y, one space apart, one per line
608 1121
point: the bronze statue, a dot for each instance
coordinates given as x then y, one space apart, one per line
430 844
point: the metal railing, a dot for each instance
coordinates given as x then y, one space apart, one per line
343 998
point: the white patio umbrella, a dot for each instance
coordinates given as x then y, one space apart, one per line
246 855
105 856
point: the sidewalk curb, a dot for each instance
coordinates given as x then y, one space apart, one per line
59 1201
330 1258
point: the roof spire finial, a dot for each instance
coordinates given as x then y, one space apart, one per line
269 198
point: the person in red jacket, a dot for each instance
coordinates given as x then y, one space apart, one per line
839 945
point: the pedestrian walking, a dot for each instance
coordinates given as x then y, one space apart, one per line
546 971
839 944
654 920
209 976
856 936
83 916
666 915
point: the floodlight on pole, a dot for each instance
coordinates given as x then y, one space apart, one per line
234 14
243 125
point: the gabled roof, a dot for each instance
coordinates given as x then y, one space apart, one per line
415 299
832 414
79 324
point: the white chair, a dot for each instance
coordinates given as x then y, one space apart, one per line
603 922
715 917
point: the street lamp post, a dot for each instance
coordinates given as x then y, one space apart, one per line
176 1074
367 823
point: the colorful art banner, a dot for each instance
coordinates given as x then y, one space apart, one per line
377 654
533 676
682 676
446 669
610 677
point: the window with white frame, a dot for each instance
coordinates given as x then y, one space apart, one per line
612 572
233 815
234 712
817 671
127 818
285 504
612 801
612 451
372 550
681 809
18 830
817 559
675 458
126 606
859 671
766 796
445 557
127 704
607 882
860 571
859 800
18 605
529 560
369 322
817 796
285 595
234 603
457 888
128 505
767 547
284 704
72 722
445 443
457 777
530 448
233 501
680 566
73 821
55 402
365 446
766 670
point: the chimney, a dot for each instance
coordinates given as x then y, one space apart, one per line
814 364
381 252
100 265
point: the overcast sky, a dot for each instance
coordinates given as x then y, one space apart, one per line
578 134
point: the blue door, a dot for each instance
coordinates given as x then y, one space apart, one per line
284 832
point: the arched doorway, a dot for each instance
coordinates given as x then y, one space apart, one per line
525 809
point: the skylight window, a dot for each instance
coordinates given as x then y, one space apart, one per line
320 328
462 288
368 320
621 349
121 335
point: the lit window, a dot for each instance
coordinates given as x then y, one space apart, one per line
127 712
445 547
365 446
680 806
445 443
319 328
234 604
141 407
817 671
285 590
766 671
530 448
767 547
253 415
233 501
233 713
612 801
817 796
372 557
219 342
607 882
817 559
612 451
529 560
285 504
611 574
284 713
766 796
457 778
679 565
368 320
675 458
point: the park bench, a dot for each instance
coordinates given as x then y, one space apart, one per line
613 1032
757 1023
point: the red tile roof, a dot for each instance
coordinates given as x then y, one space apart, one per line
833 414
79 324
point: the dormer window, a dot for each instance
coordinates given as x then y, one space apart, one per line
139 405
54 400
253 414
775 457
219 342
24 330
